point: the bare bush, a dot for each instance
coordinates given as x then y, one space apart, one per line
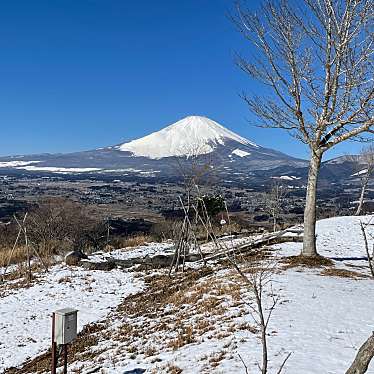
258 277
365 160
274 202
59 225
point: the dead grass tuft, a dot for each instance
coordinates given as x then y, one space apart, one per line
343 273
186 335
130 242
306 261
173 369
19 255
216 358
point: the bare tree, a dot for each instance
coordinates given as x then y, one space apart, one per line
58 225
196 169
365 354
365 160
314 59
274 201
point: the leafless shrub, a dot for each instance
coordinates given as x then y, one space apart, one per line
259 280
274 201
54 226
365 171
58 225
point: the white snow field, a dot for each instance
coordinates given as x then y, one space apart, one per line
59 170
191 136
25 314
321 319
240 153
12 164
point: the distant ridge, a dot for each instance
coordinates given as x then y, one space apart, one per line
234 159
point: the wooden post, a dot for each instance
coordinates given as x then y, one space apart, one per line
28 260
54 347
65 359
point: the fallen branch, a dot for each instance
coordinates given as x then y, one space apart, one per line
267 239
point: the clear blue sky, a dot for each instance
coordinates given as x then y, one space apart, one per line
81 74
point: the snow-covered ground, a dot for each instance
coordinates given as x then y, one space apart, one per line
340 239
25 314
322 319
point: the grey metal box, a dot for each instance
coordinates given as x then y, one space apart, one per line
65 325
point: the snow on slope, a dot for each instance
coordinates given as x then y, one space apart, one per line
25 314
322 320
192 135
240 153
339 238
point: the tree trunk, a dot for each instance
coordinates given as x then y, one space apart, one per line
361 363
361 201
309 243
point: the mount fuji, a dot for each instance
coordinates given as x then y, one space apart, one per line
157 155
191 136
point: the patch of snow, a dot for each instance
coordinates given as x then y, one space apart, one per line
59 170
191 136
150 249
240 153
287 177
130 170
12 164
364 171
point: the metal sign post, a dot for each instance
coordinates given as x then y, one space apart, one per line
64 331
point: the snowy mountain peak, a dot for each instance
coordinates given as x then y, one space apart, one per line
192 135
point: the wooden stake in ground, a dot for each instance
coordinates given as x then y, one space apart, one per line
370 260
13 248
30 248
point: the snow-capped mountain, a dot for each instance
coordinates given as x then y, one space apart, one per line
197 138
191 136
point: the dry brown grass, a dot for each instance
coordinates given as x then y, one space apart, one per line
130 242
343 273
19 255
186 335
173 369
216 358
150 351
305 261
